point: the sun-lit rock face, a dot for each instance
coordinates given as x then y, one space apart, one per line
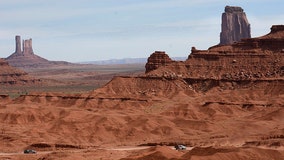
251 58
235 25
258 58
157 59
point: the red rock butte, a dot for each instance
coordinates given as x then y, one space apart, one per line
24 56
235 25
249 59
157 59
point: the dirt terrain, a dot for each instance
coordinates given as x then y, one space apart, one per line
248 120
222 103
69 78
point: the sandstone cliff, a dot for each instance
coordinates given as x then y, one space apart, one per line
249 59
157 59
235 25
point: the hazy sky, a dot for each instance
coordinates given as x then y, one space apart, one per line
87 30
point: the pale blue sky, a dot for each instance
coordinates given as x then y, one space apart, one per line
86 30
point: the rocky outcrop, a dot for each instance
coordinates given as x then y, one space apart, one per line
157 59
27 46
18 45
249 59
26 57
259 58
235 25
276 28
272 42
13 76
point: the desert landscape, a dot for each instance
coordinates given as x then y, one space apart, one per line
226 102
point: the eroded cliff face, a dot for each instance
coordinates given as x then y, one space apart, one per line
235 25
250 59
157 59
13 76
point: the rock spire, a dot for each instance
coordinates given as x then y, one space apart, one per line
27 46
18 45
235 25
24 55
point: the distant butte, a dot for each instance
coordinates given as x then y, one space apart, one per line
24 56
235 25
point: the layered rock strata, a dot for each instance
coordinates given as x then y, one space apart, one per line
13 76
259 58
235 25
157 59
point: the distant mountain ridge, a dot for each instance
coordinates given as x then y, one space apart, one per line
126 61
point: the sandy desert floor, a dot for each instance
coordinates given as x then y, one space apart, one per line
71 78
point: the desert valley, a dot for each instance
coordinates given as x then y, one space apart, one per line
226 102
